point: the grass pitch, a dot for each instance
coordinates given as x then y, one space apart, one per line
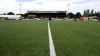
24 38
30 38
76 38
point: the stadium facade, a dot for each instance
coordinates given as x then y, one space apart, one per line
47 14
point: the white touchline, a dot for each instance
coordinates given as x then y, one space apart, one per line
51 45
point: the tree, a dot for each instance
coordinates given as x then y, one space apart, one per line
10 13
78 15
4 14
92 12
71 15
97 14
25 15
84 13
87 12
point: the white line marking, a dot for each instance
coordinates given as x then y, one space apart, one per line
51 45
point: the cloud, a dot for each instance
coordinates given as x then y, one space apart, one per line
39 5
25 0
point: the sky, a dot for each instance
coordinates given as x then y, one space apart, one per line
48 5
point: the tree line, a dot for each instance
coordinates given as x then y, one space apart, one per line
86 13
9 13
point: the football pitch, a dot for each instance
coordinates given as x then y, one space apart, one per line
30 38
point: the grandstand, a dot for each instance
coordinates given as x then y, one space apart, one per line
46 14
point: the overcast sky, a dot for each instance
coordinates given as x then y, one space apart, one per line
48 5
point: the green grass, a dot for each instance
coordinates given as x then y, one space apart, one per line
76 38
24 38
30 38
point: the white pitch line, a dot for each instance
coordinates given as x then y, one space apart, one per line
51 45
